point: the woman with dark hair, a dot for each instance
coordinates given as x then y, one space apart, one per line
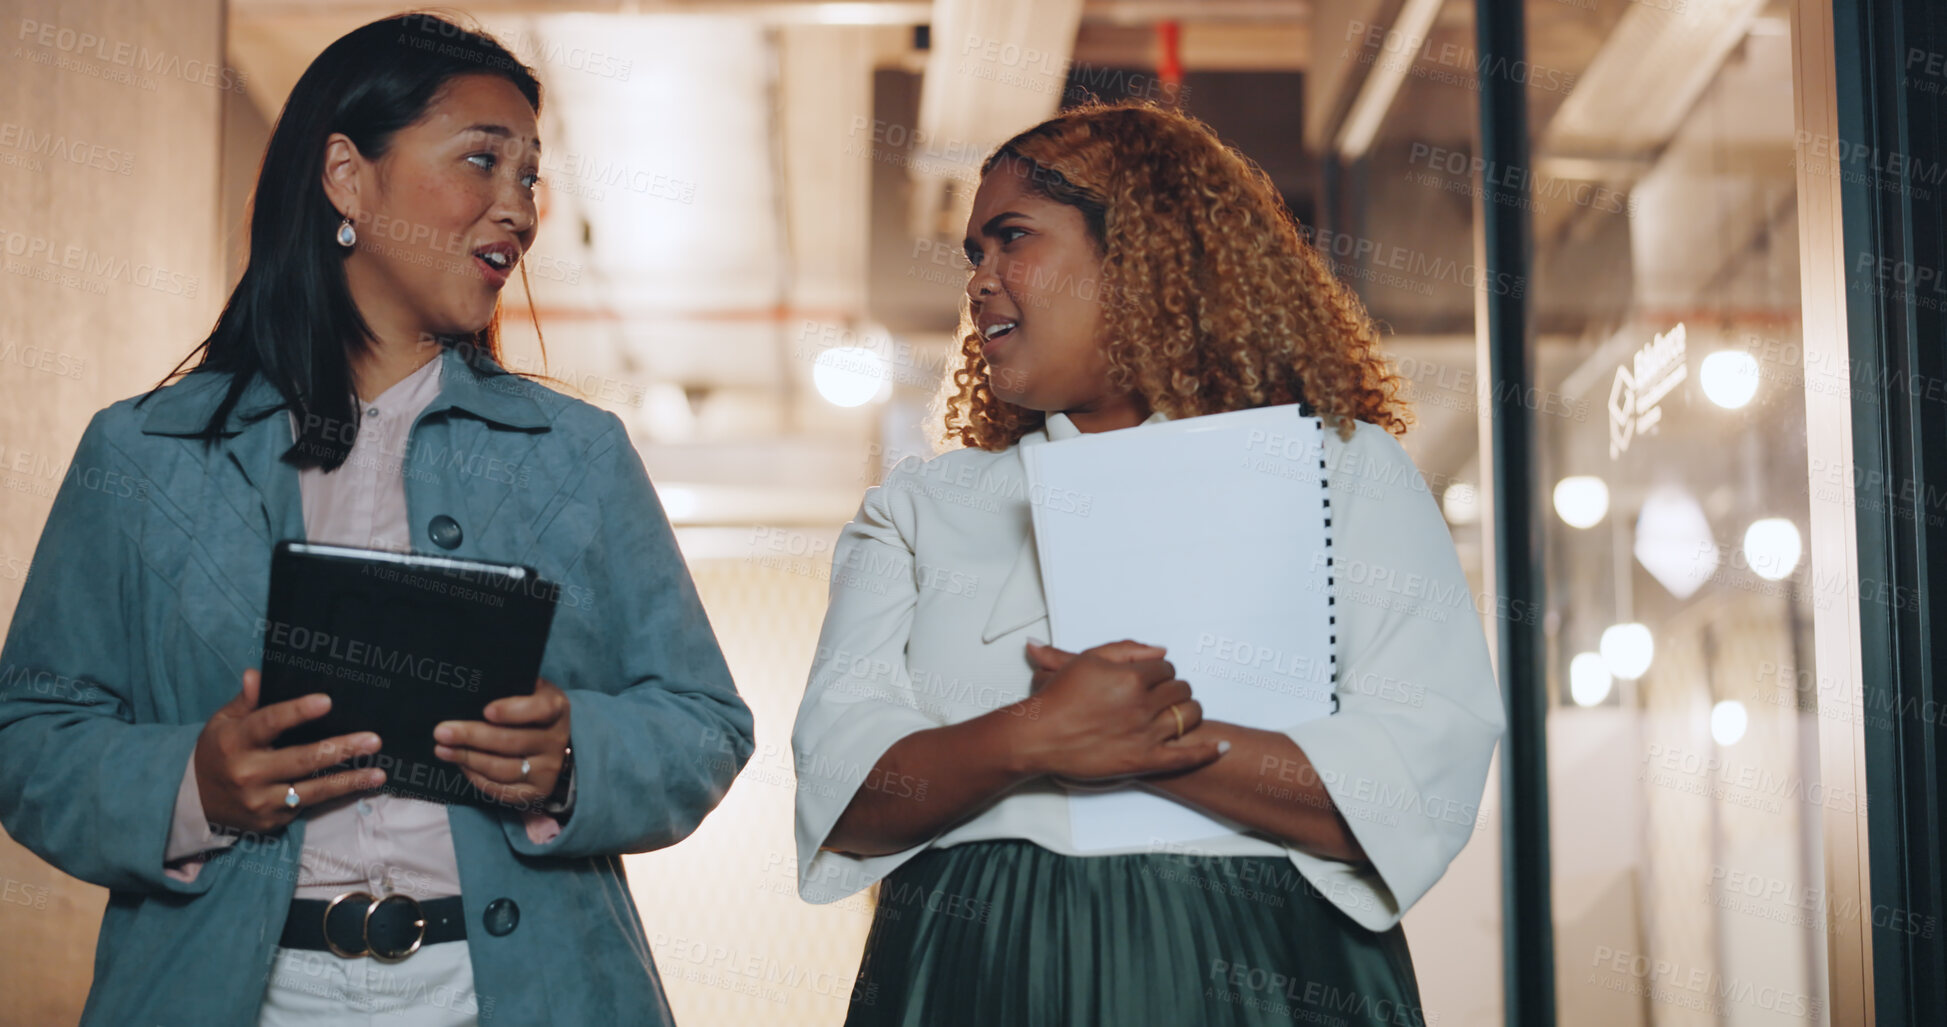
1127 268
351 393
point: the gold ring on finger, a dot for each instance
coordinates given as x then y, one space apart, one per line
1178 714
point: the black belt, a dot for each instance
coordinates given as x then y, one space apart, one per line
358 923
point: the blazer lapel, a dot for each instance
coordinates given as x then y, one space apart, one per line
1019 602
244 472
255 458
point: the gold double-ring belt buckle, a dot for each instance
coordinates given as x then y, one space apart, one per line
325 922
372 906
418 923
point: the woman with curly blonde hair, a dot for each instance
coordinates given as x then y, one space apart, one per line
1127 268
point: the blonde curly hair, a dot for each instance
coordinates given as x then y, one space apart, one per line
1211 300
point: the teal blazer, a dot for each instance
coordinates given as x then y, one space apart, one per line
141 612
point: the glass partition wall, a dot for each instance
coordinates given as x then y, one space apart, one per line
1668 413
1685 795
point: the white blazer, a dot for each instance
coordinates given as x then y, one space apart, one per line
936 587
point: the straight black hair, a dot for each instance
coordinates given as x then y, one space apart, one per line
291 317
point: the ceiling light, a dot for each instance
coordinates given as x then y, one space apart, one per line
679 502
1771 548
850 376
1582 500
1728 721
1588 679
1627 649
1729 377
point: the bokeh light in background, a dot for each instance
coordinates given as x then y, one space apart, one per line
1627 649
1582 500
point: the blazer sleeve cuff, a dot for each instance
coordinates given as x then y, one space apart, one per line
1374 790
830 773
156 833
189 829
545 826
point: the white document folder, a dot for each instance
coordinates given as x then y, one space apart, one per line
1209 536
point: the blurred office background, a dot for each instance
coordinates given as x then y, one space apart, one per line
749 251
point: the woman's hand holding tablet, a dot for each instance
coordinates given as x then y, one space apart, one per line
245 780
531 728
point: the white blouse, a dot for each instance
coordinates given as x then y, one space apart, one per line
936 588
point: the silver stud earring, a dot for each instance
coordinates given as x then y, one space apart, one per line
346 234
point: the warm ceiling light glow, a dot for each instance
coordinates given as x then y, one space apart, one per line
1729 377
1582 500
1772 548
1728 720
850 376
1588 679
1627 649
1461 503
679 503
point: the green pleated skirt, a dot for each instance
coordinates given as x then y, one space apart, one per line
1009 934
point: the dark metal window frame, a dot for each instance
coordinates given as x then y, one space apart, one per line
1505 242
1893 220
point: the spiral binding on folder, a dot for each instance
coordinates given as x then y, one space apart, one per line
1331 590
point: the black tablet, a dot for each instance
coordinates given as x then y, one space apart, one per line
401 642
